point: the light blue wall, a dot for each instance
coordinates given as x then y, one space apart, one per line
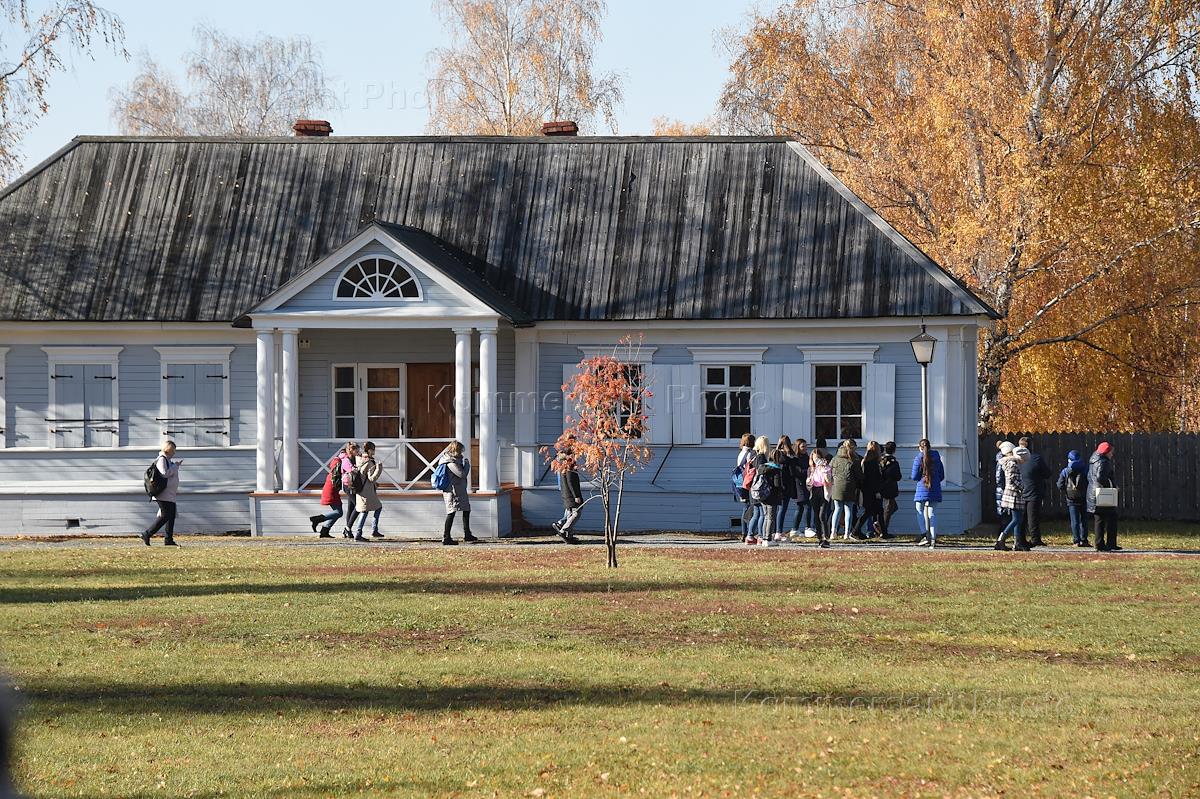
26 387
319 295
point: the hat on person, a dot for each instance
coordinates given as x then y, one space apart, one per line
1104 448
1021 453
1007 447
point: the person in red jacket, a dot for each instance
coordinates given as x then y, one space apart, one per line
331 495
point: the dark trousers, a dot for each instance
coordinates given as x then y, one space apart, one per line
872 512
890 506
165 520
1032 525
351 513
450 524
746 514
820 517
1106 528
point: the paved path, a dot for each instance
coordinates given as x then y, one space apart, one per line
651 541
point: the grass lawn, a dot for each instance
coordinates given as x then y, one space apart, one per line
243 669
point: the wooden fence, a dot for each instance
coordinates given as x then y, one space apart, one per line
1158 473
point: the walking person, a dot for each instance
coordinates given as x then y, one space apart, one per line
1013 497
872 482
366 499
929 473
745 459
572 497
1034 473
889 488
820 476
757 463
349 463
799 475
847 477
457 493
1073 482
1101 474
769 490
331 497
999 479
167 466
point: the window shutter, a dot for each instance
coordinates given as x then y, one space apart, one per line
181 403
658 407
797 401
687 404
766 401
879 390
210 406
70 406
569 371
98 406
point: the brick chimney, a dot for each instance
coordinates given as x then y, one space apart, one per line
560 128
312 127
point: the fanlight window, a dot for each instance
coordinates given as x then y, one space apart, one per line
378 279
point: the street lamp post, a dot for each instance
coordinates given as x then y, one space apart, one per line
922 347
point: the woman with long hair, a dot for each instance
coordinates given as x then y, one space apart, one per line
872 482
745 460
929 473
785 457
758 462
847 478
819 478
458 496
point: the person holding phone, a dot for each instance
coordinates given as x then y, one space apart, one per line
165 499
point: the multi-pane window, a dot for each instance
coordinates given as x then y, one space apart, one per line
838 401
383 402
378 279
726 402
196 415
635 374
343 402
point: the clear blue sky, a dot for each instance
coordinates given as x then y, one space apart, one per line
376 54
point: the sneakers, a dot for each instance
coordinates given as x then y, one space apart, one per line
556 528
751 540
1001 547
469 539
824 543
376 534
768 542
449 542
809 532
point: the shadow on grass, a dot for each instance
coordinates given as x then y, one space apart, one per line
260 698
41 595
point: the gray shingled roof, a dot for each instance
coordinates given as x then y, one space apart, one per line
201 229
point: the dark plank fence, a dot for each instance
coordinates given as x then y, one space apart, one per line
1158 473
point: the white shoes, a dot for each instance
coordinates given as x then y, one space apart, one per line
809 532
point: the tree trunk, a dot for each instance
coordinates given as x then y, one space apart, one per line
610 538
993 358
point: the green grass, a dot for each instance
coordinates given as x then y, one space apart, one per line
240 669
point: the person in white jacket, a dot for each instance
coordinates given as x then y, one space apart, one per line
165 499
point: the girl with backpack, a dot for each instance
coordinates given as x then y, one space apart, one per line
872 484
1073 481
800 482
165 497
889 487
366 487
929 473
769 490
744 457
787 492
847 479
331 497
757 464
349 463
456 494
819 478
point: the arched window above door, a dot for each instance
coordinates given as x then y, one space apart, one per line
377 279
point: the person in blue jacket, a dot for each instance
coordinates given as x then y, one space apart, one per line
1073 481
929 473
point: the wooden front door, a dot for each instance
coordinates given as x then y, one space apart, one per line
430 410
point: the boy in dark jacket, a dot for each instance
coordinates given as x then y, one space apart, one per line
1073 482
572 498
889 486
1034 473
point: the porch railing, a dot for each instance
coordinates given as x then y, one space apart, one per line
392 454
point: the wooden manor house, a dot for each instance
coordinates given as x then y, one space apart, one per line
261 300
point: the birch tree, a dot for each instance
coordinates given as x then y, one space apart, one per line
35 38
1046 151
513 64
234 87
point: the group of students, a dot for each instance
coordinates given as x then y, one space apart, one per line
849 492
1021 477
353 471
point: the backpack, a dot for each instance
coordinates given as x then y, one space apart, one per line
739 491
764 488
749 472
1075 483
441 478
888 488
819 475
358 481
155 482
335 474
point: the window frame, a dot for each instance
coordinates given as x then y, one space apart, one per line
195 356
361 392
400 264
82 356
837 390
728 389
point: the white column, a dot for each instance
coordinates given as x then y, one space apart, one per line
525 405
265 392
462 385
489 450
289 467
